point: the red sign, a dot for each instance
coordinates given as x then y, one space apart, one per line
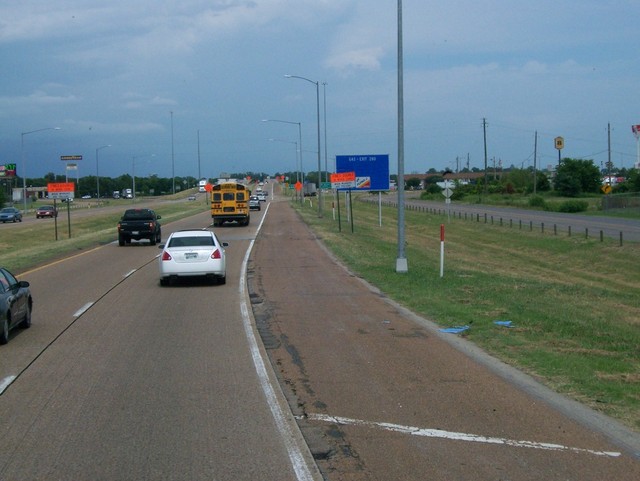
61 187
343 177
208 187
298 186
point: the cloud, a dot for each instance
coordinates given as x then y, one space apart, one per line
361 59
38 98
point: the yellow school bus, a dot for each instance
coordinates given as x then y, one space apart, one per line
229 203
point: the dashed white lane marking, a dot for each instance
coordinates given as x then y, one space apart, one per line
6 382
298 463
437 433
83 309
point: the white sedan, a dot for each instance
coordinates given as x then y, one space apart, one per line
190 253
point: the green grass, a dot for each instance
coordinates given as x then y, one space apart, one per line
30 244
573 302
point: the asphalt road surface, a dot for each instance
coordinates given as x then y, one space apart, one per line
121 379
381 394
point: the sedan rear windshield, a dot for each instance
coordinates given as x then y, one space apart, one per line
191 241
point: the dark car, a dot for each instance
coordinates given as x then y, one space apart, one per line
10 214
15 304
139 224
46 211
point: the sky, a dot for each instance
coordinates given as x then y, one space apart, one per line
183 88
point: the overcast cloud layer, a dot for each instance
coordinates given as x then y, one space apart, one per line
121 73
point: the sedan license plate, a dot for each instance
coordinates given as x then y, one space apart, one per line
191 255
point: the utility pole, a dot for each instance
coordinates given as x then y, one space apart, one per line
484 130
535 157
199 174
609 150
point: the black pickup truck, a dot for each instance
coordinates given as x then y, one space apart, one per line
139 224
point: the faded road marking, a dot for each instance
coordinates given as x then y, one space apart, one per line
83 309
6 382
437 433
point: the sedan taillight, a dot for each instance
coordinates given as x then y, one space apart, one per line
166 256
216 254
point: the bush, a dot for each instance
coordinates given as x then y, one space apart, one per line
538 202
573 206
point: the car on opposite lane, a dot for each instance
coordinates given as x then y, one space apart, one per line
10 214
15 304
192 253
46 211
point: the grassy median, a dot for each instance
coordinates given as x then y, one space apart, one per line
30 244
572 302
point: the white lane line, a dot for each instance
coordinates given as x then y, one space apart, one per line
83 309
437 433
298 463
6 382
129 273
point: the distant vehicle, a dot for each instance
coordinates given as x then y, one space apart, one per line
86 196
190 253
254 203
262 196
127 193
191 197
46 211
229 202
10 214
116 194
139 224
309 189
202 185
15 304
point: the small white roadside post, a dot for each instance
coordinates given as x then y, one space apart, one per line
441 250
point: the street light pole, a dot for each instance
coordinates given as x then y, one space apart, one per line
317 84
133 176
289 142
401 260
24 162
97 171
299 124
173 163
326 167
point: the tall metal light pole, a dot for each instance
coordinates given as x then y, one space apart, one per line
173 164
289 142
24 162
97 171
326 167
401 261
299 124
317 84
133 174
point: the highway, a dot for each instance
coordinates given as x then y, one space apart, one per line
294 370
121 379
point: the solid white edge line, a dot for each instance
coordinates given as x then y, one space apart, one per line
438 433
129 273
297 458
6 382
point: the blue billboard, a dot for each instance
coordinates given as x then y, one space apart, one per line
372 171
